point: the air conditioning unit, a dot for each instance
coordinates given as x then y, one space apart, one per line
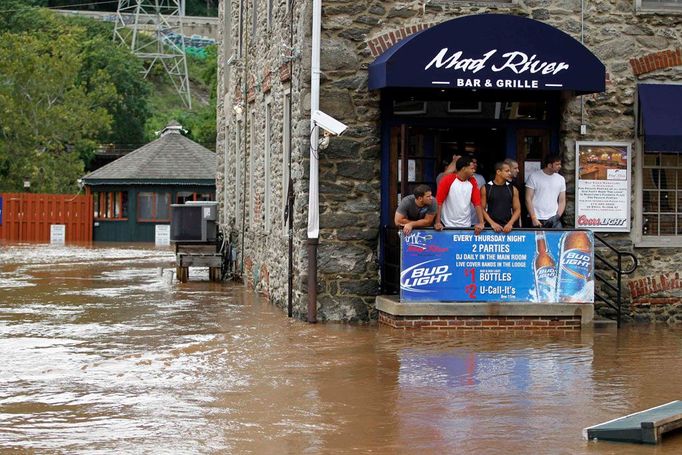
194 222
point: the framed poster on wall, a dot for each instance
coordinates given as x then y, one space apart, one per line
602 186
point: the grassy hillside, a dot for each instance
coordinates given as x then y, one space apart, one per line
165 103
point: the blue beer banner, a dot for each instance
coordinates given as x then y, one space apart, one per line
522 266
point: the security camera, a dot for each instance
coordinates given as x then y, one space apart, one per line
328 123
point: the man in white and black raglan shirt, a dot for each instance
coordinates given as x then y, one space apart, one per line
455 195
416 210
546 194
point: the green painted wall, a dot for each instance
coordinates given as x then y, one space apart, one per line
131 230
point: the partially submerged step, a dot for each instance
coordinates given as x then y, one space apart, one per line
645 426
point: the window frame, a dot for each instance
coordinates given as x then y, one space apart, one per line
661 241
113 199
240 45
646 6
639 240
254 20
267 159
154 218
194 196
286 154
252 169
238 186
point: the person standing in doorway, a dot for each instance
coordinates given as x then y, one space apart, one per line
416 210
455 194
500 200
514 170
449 169
480 181
546 194
514 174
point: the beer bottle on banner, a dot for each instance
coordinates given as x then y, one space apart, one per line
545 270
575 268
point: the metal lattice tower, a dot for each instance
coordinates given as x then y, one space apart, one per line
143 26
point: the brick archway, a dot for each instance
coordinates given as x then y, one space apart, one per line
381 43
656 61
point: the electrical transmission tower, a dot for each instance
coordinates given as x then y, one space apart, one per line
143 25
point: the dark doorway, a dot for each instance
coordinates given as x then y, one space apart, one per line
425 131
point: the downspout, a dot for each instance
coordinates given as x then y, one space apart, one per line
313 187
245 112
290 186
582 41
227 111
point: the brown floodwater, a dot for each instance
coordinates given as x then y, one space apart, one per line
102 352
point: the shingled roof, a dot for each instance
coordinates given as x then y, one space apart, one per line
172 158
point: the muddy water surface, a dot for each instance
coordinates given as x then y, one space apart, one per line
100 352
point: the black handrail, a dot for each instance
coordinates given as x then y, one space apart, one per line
617 267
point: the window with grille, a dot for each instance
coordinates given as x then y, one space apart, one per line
662 195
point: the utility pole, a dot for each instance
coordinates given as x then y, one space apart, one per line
143 25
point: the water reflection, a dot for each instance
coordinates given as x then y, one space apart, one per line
102 353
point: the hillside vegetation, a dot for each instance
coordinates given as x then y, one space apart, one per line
66 89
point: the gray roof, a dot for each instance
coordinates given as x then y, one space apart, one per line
172 157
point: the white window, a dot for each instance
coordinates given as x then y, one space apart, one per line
270 2
661 197
266 164
226 168
252 171
286 154
659 5
254 19
241 28
238 190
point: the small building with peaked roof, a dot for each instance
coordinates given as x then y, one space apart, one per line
133 194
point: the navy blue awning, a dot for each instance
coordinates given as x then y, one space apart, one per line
660 107
490 51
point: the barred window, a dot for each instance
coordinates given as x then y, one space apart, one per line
662 194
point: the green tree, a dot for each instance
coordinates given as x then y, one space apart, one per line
47 117
129 110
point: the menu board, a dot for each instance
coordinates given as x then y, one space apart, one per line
602 190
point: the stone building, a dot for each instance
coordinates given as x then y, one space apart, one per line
580 77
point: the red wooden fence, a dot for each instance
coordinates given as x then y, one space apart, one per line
27 217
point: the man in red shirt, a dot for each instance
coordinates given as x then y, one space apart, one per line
456 192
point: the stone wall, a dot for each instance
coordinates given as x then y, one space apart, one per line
633 46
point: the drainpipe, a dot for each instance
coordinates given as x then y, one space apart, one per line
290 186
313 187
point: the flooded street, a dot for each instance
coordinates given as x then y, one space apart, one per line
101 352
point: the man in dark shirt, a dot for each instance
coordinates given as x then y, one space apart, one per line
500 200
416 210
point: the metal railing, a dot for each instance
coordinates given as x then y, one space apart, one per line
615 265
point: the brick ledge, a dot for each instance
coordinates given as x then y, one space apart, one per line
392 307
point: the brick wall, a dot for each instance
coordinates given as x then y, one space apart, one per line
506 323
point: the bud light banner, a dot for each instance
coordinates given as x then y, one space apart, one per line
554 266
